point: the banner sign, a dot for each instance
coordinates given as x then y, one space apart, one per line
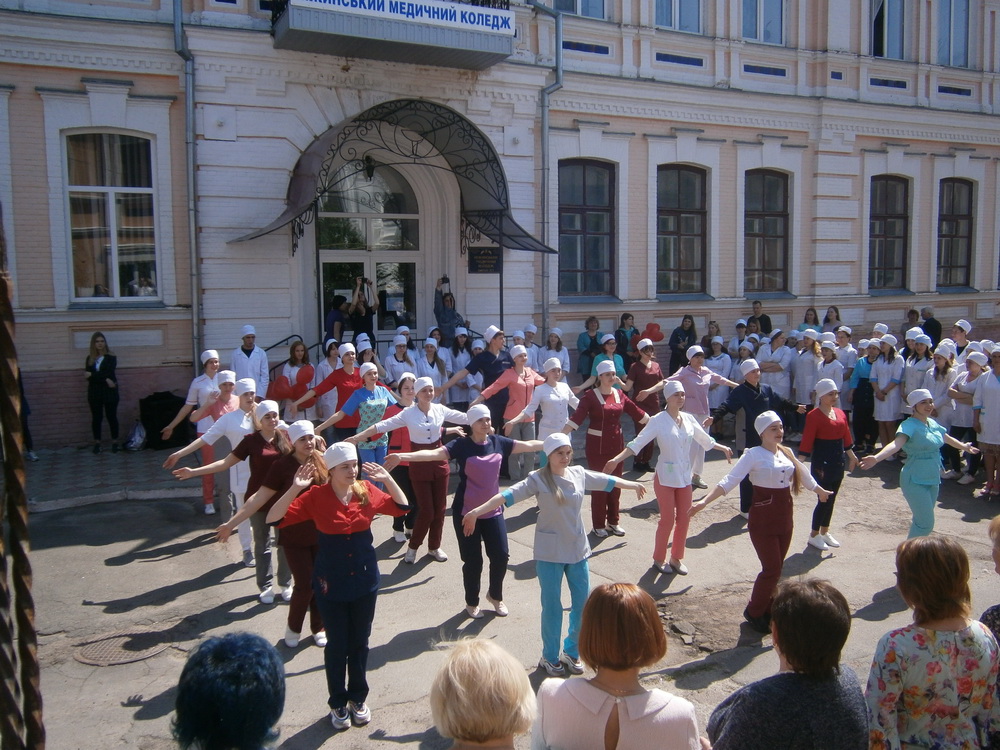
432 12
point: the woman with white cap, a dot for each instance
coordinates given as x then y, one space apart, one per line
919 361
604 406
491 363
676 432
554 348
398 362
298 542
939 380
804 376
554 398
827 438
962 392
260 449
776 361
560 545
367 353
744 351
202 390
369 402
478 456
829 368
960 335
697 380
886 377
459 354
862 396
234 426
250 361
776 475
608 354
346 574
520 382
719 362
739 338
752 398
986 416
430 365
534 350
643 375
920 479
346 379
425 422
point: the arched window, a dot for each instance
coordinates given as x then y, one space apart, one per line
375 209
955 233
586 227
111 219
888 232
765 234
681 219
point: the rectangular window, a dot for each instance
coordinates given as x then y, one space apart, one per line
765 233
763 21
681 15
111 215
953 33
586 228
681 219
887 29
586 8
955 233
888 233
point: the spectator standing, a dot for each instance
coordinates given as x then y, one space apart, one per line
814 701
762 319
250 361
681 338
623 338
986 415
832 321
448 318
934 683
588 346
364 304
554 348
337 318
931 325
102 390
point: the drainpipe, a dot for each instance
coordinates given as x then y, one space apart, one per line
546 94
181 48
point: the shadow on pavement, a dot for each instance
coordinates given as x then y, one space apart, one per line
884 603
961 500
800 563
716 532
410 644
720 665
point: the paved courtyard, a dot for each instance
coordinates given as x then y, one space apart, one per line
148 561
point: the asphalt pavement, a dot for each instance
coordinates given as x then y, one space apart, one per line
119 547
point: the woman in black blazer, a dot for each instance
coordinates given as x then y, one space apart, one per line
102 390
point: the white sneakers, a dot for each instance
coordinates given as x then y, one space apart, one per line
320 638
438 554
398 537
267 596
615 529
291 638
286 594
967 479
830 541
209 508
950 474
410 557
819 542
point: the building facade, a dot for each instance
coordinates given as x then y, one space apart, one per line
171 171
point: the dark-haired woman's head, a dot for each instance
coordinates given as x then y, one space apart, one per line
811 621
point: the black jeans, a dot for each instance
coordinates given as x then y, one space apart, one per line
402 476
102 409
827 468
490 533
348 626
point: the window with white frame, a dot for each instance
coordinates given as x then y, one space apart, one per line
587 8
953 33
887 29
680 15
109 195
763 20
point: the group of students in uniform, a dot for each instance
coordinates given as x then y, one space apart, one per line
322 495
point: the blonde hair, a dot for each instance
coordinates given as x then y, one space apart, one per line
545 474
280 439
994 531
481 693
796 482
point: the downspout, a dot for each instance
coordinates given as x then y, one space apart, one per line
546 99
181 48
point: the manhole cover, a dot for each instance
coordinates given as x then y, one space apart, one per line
125 646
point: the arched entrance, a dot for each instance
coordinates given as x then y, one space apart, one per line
413 147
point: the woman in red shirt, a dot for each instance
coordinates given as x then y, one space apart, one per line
346 379
346 575
828 438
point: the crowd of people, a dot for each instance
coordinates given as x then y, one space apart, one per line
363 437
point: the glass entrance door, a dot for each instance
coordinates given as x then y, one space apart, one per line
394 285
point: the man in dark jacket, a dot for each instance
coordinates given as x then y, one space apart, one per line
931 325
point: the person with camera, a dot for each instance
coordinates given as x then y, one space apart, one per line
364 303
448 318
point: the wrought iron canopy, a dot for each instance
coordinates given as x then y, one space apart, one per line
409 132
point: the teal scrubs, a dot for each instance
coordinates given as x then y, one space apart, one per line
920 478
